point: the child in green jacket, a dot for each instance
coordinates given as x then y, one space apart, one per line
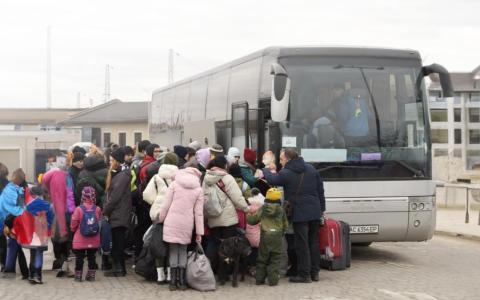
274 223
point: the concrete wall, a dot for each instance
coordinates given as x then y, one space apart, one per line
26 142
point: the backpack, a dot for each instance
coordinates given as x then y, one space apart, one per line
89 224
213 208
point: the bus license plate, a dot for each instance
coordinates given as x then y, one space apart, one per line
360 229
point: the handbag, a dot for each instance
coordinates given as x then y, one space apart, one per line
158 247
105 236
145 265
199 273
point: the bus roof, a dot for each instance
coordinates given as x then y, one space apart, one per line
280 52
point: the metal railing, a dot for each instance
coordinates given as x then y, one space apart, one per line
468 189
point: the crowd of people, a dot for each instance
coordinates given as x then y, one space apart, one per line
103 202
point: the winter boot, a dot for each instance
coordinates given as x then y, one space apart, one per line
78 276
90 275
37 276
169 275
173 281
118 272
106 265
160 275
31 274
182 281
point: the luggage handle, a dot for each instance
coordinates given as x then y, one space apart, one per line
198 251
333 235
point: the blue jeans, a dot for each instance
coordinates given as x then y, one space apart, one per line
14 250
36 258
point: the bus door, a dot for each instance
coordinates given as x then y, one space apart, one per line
240 125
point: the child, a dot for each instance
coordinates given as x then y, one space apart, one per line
11 206
274 223
252 232
42 213
86 239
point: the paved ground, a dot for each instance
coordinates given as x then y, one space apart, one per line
452 221
443 268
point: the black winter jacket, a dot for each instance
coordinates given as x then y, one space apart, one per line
309 203
118 206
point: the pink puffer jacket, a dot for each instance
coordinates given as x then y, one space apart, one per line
252 232
182 208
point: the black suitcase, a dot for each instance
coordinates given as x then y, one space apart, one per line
342 262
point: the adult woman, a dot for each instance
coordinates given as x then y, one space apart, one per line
218 183
117 209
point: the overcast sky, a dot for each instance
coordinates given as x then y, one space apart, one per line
134 37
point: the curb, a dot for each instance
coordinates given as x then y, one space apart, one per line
458 235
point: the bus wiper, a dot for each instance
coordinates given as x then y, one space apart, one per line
416 172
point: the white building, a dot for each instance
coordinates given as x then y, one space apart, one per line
466 125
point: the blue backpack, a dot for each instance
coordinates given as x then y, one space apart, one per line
89 225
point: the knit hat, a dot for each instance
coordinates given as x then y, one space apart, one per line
119 155
195 145
129 150
180 151
250 155
274 194
203 157
170 159
233 152
79 149
216 149
235 171
78 156
88 193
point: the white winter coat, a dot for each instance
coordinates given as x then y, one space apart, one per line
154 193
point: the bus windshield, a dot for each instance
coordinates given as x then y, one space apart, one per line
358 121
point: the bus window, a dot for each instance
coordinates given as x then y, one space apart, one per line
182 94
198 96
244 80
217 96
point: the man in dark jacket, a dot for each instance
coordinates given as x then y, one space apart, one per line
3 240
304 192
74 170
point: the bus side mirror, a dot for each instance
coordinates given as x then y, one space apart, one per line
280 93
445 80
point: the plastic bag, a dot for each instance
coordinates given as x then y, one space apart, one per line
199 272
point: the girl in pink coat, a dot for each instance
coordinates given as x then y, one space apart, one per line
181 211
86 246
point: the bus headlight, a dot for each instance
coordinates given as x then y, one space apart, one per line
421 206
423 203
414 206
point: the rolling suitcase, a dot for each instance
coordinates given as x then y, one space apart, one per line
335 246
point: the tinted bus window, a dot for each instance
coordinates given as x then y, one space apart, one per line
198 96
217 96
244 81
182 94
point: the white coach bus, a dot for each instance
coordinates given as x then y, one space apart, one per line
358 115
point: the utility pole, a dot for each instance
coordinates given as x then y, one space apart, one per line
171 55
49 69
107 83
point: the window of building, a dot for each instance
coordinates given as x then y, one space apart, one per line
439 115
457 115
122 139
475 96
473 159
474 115
439 136
137 137
107 139
474 135
440 152
458 136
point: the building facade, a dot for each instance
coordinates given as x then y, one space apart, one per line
122 123
464 120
